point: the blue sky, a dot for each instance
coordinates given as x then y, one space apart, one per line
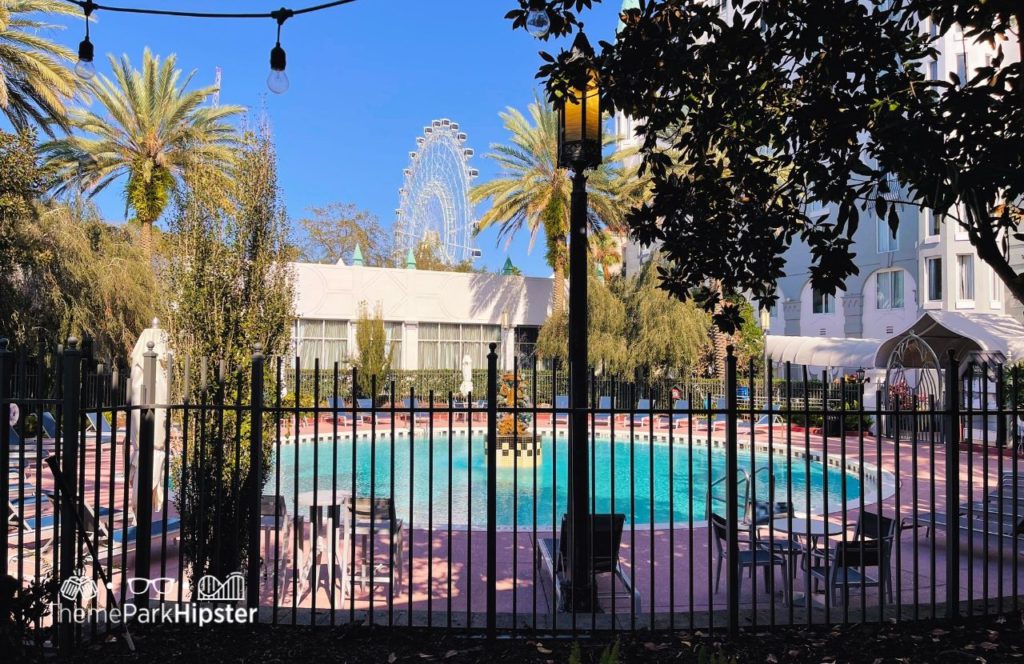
365 79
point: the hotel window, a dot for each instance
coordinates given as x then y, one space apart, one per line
889 290
995 289
965 277
442 345
822 302
933 275
932 224
393 332
326 340
887 240
961 67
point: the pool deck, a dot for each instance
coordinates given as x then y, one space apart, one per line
672 567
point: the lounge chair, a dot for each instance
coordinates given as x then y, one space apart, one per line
416 414
680 415
642 414
763 423
367 413
122 538
49 425
606 535
98 427
562 409
718 415
337 409
604 403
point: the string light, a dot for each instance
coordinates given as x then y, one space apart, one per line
277 81
84 68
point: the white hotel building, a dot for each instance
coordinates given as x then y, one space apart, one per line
432 318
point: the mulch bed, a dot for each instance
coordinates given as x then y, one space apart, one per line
991 639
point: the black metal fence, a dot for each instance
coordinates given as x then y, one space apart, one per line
430 509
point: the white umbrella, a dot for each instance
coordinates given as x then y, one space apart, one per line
467 375
160 347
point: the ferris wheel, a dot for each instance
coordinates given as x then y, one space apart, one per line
434 199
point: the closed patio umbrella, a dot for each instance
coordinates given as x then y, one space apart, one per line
467 375
160 397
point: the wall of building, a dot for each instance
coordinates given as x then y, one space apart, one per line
411 297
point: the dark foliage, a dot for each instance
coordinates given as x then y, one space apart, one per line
746 122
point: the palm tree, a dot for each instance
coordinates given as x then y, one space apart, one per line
155 133
532 192
605 251
35 78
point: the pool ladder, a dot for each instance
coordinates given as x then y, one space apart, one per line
755 511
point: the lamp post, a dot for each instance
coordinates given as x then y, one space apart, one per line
579 148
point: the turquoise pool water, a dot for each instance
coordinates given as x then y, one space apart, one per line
646 489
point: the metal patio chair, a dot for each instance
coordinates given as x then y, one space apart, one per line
364 520
606 535
750 558
848 568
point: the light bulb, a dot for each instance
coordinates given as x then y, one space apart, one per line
278 82
85 69
538 23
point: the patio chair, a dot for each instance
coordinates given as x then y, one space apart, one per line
750 558
97 422
606 536
364 520
603 419
847 568
562 409
368 414
276 529
871 528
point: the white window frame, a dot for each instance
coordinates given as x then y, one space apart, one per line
928 217
317 340
966 287
995 290
928 302
828 303
894 293
892 240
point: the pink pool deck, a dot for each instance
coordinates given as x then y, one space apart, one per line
672 567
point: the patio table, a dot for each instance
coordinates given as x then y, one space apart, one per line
811 529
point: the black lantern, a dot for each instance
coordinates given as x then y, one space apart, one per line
579 117
860 375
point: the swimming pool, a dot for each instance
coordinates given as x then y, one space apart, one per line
449 479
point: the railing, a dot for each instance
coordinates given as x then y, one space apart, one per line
412 508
